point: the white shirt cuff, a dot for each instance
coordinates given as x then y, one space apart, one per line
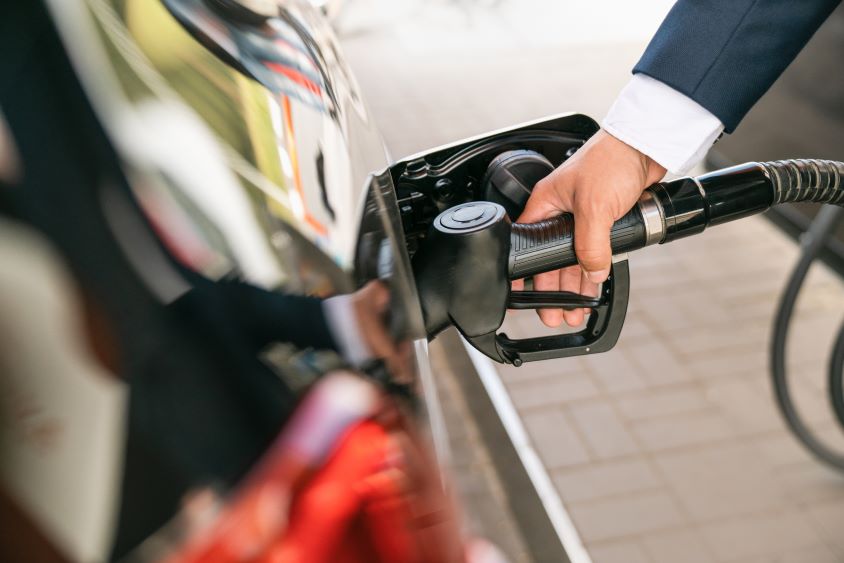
342 322
662 123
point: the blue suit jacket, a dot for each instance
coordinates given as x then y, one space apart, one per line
725 54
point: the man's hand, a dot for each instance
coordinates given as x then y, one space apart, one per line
599 184
371 304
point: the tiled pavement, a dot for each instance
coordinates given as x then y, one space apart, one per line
669 447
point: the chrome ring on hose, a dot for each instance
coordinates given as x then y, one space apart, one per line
653 216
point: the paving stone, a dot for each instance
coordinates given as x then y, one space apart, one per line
677 546
705 341
757 309
717 482
689 429
828 518
635 329
811 402
625 515
602 429
551 390
662 401
614 370
600 480
654 260
820 554
618 552
542 370
654 279
658 364
730 363
554 439
780 449
760 535
761 279
810 482
831 434
664 311
697 307
816 315
748 404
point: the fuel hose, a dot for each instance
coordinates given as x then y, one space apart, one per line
812 243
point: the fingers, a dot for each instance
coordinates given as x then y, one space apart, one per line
379 294
592 246
598 184
570 281
542 203
549 281
589 289
375 334
593 219
372 302
592 242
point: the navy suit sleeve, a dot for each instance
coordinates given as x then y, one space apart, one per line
725 54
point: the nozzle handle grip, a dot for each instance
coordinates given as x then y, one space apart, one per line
549 244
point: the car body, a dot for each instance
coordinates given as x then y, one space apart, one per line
224 147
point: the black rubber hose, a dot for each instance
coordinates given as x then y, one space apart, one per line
812 242
835 377
804 180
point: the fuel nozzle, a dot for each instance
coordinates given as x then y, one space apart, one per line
473 251
460 274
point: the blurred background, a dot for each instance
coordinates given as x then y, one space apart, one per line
669 448
182 205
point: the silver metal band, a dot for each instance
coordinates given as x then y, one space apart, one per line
654 217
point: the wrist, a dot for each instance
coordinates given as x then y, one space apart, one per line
651 170
654 170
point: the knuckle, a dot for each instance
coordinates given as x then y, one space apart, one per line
543 185
591 205
591 255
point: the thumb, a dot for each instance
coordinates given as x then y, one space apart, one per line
592 244
541 204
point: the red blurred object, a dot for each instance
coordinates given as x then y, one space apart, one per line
376 497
